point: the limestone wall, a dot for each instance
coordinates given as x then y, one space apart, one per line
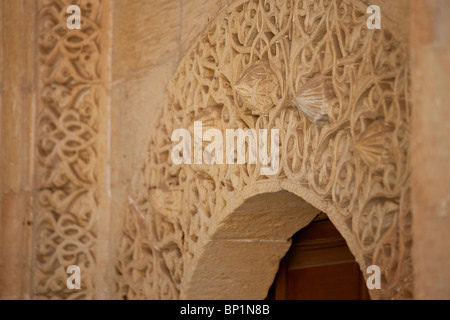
76 119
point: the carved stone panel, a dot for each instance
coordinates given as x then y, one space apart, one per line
71 100
338 94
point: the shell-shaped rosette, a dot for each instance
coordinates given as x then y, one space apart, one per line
314 99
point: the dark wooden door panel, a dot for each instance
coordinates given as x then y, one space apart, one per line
319 266
335 282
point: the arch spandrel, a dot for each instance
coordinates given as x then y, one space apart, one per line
265 64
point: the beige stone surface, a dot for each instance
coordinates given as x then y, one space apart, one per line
16 147
430 48
137 95
271 216
196 15
235 270
145 33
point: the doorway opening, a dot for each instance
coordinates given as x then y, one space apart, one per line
319 266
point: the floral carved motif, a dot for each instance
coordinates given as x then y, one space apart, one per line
256 87
337 92
67 148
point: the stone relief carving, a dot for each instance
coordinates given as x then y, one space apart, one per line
344 140
314 97
256 87
67 147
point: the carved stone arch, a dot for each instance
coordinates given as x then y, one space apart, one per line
242 255
343 141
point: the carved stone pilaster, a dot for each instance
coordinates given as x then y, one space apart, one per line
71 99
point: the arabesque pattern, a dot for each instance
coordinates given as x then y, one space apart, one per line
67 148
354 166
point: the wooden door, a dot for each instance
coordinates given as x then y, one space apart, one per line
319 266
